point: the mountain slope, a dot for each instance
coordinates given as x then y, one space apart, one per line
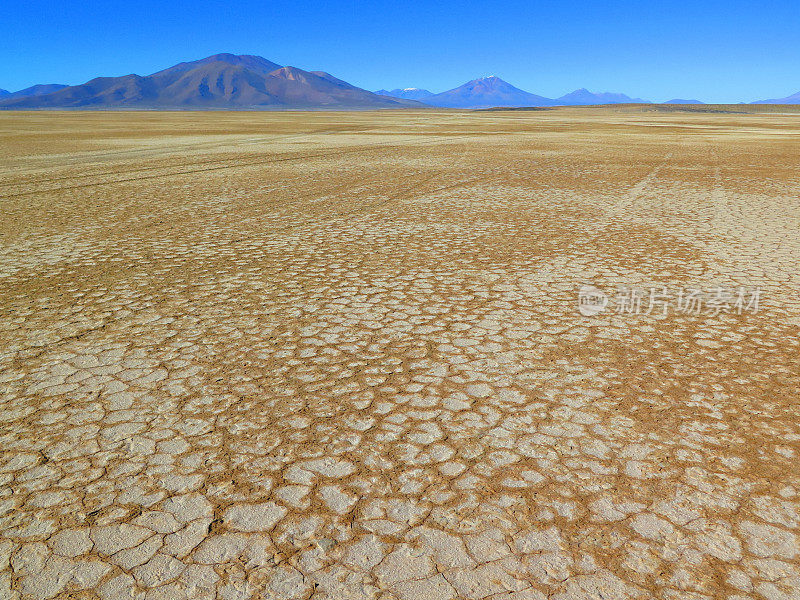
406 93
486 92
584 97
218 81
793 99
211 84
4 93
306 89
331 79
37 90
102 91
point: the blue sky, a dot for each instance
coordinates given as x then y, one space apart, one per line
714 51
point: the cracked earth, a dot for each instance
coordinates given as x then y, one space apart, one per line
339 356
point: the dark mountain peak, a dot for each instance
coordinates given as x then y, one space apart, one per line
248 61
579 93
486 92
102 82
4 93
225 57
492 84
245 60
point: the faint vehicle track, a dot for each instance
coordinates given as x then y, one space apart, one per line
227 164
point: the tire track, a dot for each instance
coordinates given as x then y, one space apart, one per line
238 163
97 158
628 201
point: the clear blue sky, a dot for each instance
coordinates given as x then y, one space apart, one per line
716 51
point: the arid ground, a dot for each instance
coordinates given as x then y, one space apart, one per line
340 355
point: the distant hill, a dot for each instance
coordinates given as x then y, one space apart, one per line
34 90
37 90
489 92
219 81
486 92
584 97
793 99
407 93
680 101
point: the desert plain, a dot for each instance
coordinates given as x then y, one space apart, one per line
339 355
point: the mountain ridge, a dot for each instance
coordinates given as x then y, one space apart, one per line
793 99
583 97
411 93
219 81
39 89
248 81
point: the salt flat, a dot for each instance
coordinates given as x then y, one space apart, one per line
340 355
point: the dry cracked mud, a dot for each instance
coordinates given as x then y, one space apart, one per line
339 356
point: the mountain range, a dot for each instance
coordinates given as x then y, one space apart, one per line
681 101
492 91
584 97
219 81
406 93
229 81
793 99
